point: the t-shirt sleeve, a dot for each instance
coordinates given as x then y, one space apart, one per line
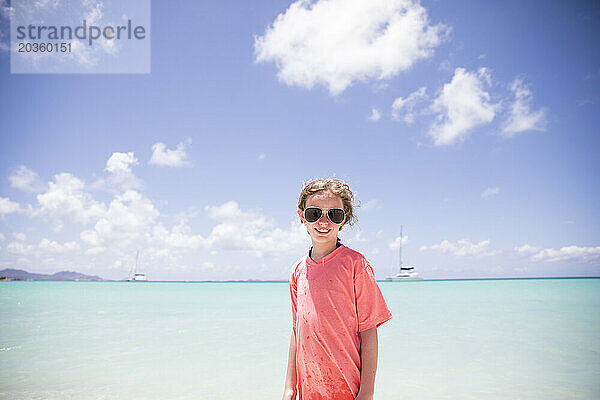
294 296
370 304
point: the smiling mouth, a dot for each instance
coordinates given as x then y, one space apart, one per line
322 231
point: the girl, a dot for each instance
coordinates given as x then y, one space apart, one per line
336 304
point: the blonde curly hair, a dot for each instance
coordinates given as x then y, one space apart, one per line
336 186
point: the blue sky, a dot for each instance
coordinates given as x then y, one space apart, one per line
473 125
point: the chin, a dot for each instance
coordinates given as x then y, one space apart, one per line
324 239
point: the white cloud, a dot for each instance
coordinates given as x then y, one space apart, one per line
6 11
358 237
8 206
521 118
65 198
25 179
229 210
445 66
370 205
46 3
19 248
252 232
527 249
490 192
44 247
408 104
335 43
95 13
179 236
462 105
129 218
20 236
55 247
486 75
208 265
2 237
91 55
166 258
463 247
573 254
95 17
82 53
164 157
119 163
92 251
570 253
395 244
261 157
121 175
375 115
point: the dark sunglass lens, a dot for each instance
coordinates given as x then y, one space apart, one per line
336 215
312 214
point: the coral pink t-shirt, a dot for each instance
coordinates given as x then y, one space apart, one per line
332 300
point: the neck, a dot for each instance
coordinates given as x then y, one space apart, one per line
320 250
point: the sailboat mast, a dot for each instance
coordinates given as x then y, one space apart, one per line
137 257
400 249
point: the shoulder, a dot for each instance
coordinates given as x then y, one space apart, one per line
298 263
357 259
348 252
296 266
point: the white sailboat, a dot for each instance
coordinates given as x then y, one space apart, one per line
406 272
134 275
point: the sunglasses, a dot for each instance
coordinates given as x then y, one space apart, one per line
335 215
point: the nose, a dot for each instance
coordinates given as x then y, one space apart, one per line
324 219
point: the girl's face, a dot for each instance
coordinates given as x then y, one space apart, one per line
322 231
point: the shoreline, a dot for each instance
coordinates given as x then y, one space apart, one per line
282 281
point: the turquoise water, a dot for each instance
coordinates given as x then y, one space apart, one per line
485 339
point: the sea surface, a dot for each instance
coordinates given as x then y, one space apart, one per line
464 339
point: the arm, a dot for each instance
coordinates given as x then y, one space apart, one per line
368 360
289 392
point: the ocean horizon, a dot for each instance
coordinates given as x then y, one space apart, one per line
285 281
513 338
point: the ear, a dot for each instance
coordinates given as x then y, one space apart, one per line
301 215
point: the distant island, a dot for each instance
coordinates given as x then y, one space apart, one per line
20 275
